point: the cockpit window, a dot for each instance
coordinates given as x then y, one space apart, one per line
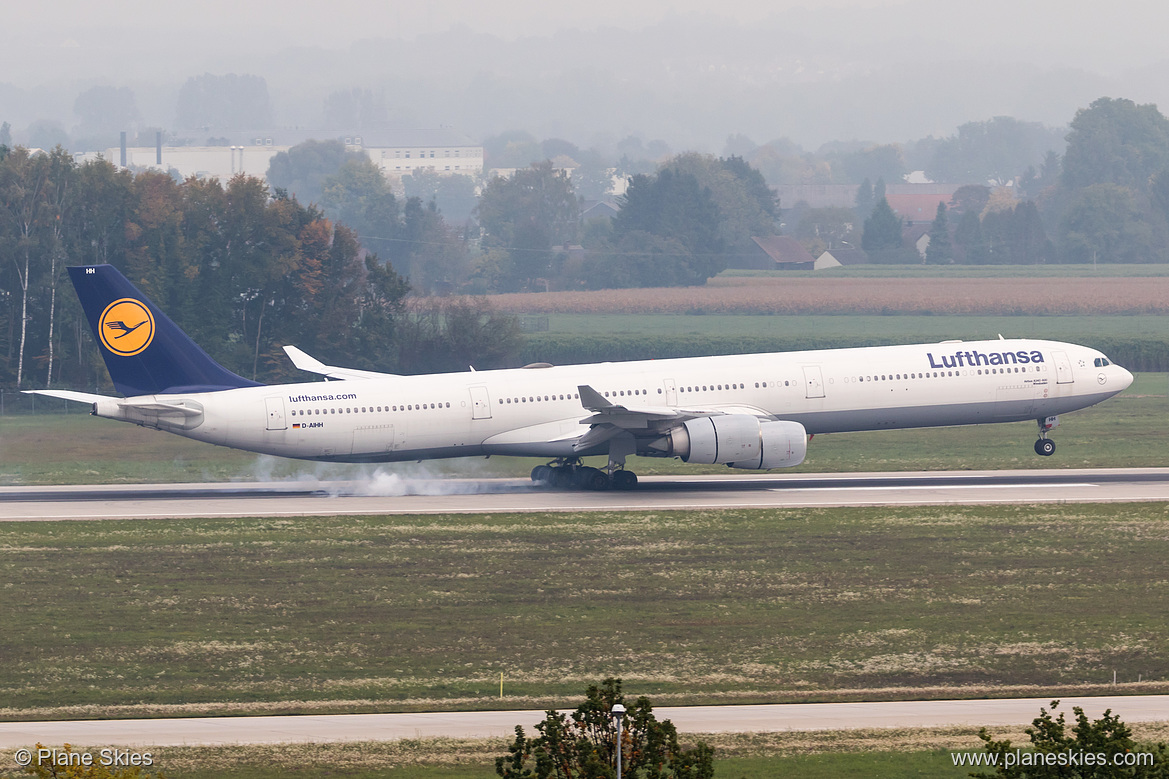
1100 362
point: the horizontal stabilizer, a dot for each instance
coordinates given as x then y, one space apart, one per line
306 362
80 397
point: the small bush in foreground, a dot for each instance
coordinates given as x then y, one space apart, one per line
582 745
1089 751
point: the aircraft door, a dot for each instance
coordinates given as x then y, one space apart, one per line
671 392
1063 367
813 382
275 407
480 403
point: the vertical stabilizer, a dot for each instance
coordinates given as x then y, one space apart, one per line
146 353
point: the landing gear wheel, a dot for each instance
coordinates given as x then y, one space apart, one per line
561 477
542 475
624 480
1045 447
592 479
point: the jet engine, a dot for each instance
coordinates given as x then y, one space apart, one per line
737 440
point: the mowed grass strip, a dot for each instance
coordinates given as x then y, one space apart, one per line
401 613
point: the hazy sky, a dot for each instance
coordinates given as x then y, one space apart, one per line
871 69
1085 33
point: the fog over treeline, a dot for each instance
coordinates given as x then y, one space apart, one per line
884 72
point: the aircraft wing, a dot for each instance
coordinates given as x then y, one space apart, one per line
610 419
307 362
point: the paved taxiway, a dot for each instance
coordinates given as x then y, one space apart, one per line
501 724
388 493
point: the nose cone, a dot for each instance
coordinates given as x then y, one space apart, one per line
1124 378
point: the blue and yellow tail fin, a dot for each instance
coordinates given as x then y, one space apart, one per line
146 353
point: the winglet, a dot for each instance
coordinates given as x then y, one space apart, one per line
307 362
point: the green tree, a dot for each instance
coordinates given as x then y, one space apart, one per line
512 149
1116 142
872 162
822 229
454 195
1107 223
527 214
102 112
24 180
969 240
304 168
1049 736
747 207
865 200
882 229
674 206
970 198
583 745
443 334
940 250
231 101
355 110
996 151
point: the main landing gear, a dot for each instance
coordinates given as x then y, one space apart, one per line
568 473
1045 446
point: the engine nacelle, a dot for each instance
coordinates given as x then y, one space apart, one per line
740 441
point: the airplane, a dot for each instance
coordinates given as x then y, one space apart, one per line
753 411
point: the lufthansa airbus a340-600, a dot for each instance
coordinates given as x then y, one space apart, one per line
753 411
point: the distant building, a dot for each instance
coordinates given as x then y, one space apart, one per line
396 152
917 208
913 197
918 236
401 152
598 209
835 258
773 252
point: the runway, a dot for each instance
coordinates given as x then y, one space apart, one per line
774 718
389 493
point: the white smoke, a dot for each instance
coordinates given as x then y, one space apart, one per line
465 476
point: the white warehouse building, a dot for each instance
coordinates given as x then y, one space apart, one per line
396 152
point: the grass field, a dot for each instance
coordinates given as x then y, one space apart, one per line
1129 430
143 618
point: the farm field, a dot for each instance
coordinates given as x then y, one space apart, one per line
344 614
1131 430
903 329
830 295
873 271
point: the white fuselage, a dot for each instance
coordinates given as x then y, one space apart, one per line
538 411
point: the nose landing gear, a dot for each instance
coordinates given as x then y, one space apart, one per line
1045 446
